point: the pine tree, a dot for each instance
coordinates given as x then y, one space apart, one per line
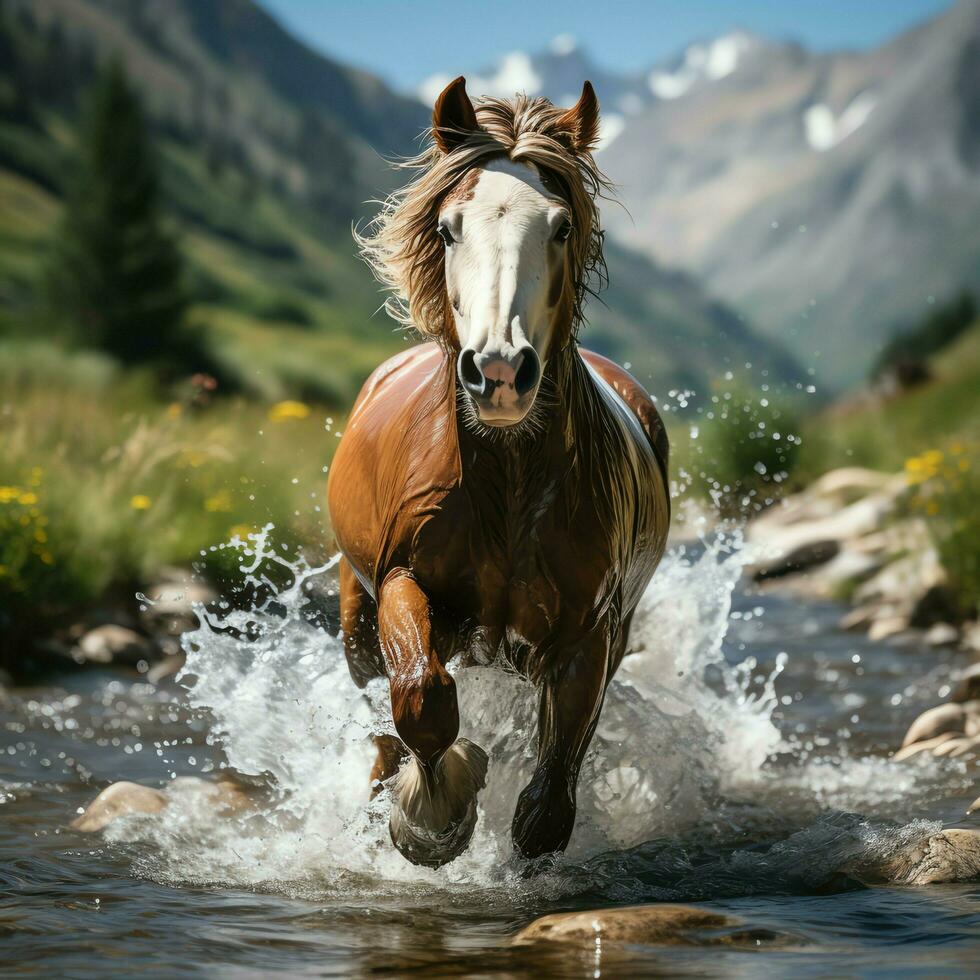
116 273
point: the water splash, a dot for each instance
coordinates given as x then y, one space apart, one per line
683 733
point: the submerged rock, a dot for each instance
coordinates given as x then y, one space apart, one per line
951 729
118 800
226 797
666 925
950 855
112 644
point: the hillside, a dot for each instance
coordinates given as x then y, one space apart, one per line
882 432
269 152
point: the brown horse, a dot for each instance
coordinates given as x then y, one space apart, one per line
499 493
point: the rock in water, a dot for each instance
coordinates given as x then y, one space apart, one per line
112 644
226 798
655 925
118 800
950 855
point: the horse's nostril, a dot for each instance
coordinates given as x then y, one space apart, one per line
470 374
528 373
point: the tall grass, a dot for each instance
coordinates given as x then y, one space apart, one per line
103 482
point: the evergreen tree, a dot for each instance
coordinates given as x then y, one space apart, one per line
116 274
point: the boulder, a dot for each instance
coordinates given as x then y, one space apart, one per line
118 800
654 925
800 559
951 729
166 669
226 796
936 604
967 686
950 855
112 644
936 721
169 605
941 635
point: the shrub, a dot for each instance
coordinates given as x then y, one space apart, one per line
745 449
947 488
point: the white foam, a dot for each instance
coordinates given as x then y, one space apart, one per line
681 731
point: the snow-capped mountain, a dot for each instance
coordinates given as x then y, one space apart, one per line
827 195
558 73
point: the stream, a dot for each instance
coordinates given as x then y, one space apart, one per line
741 761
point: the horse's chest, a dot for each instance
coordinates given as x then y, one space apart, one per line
518 576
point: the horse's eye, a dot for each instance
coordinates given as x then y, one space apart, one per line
446 235
563 231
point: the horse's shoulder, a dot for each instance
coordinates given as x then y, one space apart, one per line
635 397
414 364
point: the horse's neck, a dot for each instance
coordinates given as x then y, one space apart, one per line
554 446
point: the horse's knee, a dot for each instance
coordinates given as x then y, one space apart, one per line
545 814
425 711
359 625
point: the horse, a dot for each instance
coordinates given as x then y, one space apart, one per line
499 492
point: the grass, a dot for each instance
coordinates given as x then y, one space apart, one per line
103 481
933 433
884 432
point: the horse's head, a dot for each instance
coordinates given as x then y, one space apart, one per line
489 250
507 231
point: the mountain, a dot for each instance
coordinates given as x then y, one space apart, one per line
827 197
268 153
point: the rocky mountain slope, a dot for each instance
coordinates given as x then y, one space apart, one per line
825 196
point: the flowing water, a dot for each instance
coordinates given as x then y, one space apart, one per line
741 763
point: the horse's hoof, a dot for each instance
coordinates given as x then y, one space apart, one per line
432 850
433 812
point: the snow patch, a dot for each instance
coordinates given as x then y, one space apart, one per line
513 73
824 130
709 61
563 44
610 126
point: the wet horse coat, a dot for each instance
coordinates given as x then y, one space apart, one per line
531 544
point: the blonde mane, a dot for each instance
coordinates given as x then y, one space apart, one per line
402 245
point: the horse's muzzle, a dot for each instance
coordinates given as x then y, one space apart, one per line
502 386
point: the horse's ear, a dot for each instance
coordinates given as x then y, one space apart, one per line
453 118
580 124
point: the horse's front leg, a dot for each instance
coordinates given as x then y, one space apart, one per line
434 807
571 700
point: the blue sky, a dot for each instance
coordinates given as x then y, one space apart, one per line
405 41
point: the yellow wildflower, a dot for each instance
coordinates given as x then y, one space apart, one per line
192 458
218 503
173 410
140 501
282 411
27 498
9 493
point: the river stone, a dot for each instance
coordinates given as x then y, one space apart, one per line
967 684
112 644
798 559
936 721
666 925
166 669
941 635
950 855
118 800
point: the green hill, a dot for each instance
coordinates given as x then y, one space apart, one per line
882 431
269 152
